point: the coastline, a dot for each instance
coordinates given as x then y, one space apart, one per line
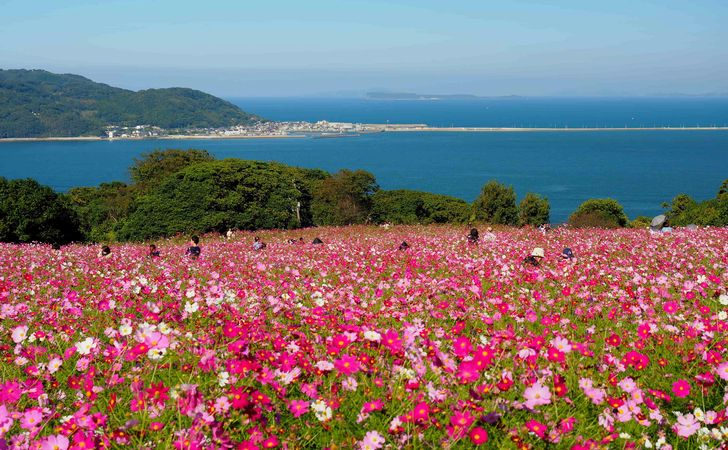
552 129
151 138
368 129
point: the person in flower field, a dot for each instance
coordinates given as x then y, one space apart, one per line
534 259
194 251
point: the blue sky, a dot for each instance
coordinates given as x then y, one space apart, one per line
286 48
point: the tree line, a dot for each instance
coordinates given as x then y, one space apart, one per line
184 191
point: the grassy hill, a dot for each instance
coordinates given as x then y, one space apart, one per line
37 103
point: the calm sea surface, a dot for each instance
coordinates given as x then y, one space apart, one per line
641 169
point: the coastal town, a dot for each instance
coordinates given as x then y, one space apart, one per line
326 129
321 128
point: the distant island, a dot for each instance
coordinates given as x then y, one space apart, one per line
37 104
411 96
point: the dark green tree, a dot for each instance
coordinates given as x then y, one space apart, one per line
599 213
102 210
149 171
496 204
344 198
218 195
723 188
534 210
415 207
32 212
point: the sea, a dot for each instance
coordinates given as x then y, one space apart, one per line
641 169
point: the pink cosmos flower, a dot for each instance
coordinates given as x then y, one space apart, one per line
686 425
722 370
681 388
55 442
391 340
536 395
376 405
372 441
478 436
461 419
536 428
461 346
10 392
19 334
421 412
156 340
271 442
298 407
670 307
468 372
32 418
347 364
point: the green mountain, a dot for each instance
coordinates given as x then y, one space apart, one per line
37 103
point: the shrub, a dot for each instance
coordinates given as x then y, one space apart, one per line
723 188
344 198
534 210
683 210
102 210
32 212
219 195
415 207
640 222
600 213
148 172
496 204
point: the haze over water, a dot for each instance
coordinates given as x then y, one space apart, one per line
641 169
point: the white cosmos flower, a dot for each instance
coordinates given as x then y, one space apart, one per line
372 336
125 330
191 307
322 411
84 347
155 354
324 365
223 378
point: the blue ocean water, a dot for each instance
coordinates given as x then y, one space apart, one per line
641 169
501 111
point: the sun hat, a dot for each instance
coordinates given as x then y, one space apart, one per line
537 252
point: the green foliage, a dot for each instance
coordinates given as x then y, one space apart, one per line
218 195
534 210
496 204
599 213
683 210
640 222
36 103
154 167
102 210
344 198
415 207
32 212
723 188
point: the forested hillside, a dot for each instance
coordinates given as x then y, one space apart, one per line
37 103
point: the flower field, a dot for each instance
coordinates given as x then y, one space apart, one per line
356 344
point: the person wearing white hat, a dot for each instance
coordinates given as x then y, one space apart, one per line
535 257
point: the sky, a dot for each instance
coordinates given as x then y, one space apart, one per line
239 48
